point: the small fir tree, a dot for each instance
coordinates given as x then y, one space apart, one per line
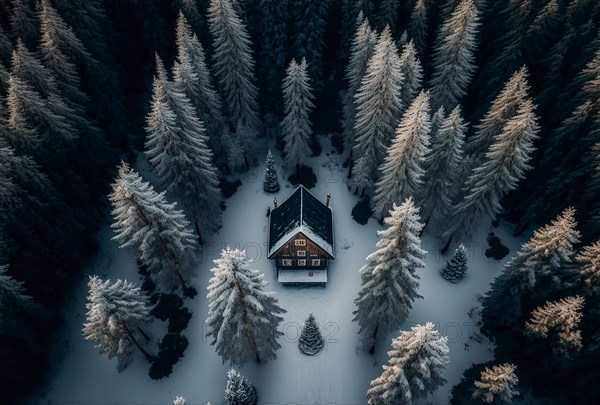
497 382
311 341
179 401
238 390
271 183
456 268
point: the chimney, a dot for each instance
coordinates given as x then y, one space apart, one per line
327 200
274 202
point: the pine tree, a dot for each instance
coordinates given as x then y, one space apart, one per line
389 280
117 314
442 166
235 141
453 58
362 47
311 341
233 64
499 382
298 103
416 363
589 267
505 164
242 317
12 295
190 74
145 220
417 28
402 170
238 390
271 183
456 268
178 149
387 14
378 106
561 317
412 73
23 21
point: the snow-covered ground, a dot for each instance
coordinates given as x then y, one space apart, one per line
339 374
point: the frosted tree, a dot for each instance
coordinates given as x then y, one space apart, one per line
442 166
588 261
179 401
242 317
378 106
412 73
453 57
177 147
117 314
271 182
233 63
499 382
238 390
504 107
561 318
235 141
418 25
389 280
23 21
456 268
298 103
415 367
505 164
402 170
361 49
191 74
146 221
310 341
12 293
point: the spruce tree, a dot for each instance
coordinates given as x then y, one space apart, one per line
391 268
13 297
416 363
387 14
177 147
146 221
238 302
418 26
271 182
412 72
589 267
233 64
456 268
499 382
117 314
402 170
311 341
378 106
23 22
453 58
298 103
238 390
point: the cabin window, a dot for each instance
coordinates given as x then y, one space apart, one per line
302 253
302 262
316 262
300 242
286 262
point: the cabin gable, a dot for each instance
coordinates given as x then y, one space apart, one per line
301 252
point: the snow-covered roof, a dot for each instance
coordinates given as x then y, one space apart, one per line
303 276
301 212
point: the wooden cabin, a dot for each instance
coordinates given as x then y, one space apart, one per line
301 238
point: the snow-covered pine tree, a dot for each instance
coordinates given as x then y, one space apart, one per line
505 164
361 50
12 295
418 25
503 108
271 182
412 73
298 103
310 341
117 314
456 268
145 220
177 147
562 318
191 74
378 107
442 166
235 141
392 269
499 382
242 317
402 170
233 64
179 400
23 22
415 367
238 390
588 261
453 58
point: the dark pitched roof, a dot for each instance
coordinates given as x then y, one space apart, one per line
301 212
